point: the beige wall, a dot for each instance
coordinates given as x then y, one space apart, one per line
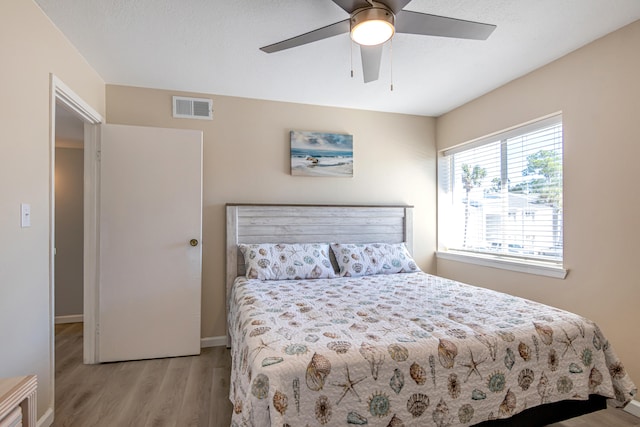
246 159
30 49
69 231
598 91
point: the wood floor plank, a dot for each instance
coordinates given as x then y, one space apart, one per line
195 408
610 417
85 390
117 389
164 411
138 408
190 391
221 407
68 345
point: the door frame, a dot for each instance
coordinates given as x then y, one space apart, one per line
60 92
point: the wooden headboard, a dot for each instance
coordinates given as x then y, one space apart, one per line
258 223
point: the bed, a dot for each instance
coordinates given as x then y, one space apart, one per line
332 323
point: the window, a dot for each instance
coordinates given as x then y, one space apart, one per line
501 196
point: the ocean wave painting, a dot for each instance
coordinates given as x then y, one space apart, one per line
321 154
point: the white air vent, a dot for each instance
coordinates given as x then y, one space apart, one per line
192 108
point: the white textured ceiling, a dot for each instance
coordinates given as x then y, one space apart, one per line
211 46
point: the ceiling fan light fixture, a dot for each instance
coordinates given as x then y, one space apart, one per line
372 26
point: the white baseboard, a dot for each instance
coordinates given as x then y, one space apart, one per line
633 408
213 341
72 318
47 419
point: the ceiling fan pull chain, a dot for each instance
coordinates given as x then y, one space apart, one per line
351 44
391 62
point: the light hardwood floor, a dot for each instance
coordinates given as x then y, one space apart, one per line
176 392
181 391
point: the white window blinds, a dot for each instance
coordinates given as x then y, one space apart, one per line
502 195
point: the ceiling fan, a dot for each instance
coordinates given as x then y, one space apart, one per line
372 23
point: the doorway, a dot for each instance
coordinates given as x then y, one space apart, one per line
69 222
69 236
65 102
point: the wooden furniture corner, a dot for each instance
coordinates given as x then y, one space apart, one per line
18 392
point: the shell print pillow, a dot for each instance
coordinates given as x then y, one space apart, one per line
282 261
373 258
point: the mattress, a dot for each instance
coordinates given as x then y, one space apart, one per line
406 350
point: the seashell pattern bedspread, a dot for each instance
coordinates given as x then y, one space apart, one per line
406 350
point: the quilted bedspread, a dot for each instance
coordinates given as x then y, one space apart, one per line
406 350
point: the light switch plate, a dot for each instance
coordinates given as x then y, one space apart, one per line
25 215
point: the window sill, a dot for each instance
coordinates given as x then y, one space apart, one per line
538 268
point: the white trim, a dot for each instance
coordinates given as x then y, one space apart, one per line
531 126
213 341
71 318
52 240
72 101
46 419
91 243
506 264
633 408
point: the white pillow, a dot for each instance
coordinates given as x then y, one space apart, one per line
282 261
373 258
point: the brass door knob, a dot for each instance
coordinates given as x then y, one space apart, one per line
193 242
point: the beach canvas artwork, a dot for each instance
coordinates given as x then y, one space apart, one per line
321 154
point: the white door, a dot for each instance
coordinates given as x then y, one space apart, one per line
149 268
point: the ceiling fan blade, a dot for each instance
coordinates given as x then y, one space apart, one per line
395 5
350 5
371 56
441 26
310 37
